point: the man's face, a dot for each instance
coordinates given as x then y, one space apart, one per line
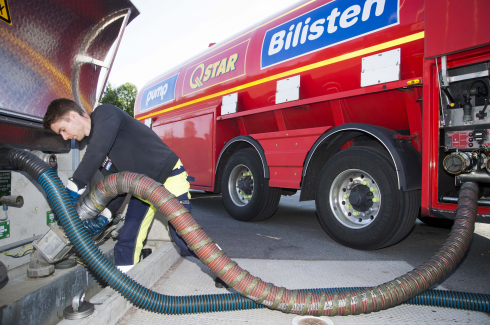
70 126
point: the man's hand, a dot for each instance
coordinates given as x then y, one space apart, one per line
96 225
73 191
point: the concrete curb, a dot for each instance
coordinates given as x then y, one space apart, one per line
110 306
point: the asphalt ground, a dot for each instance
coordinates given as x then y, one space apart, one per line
294 233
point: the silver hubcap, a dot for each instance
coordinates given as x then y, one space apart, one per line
344 198
241 185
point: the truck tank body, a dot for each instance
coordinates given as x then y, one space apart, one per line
326 56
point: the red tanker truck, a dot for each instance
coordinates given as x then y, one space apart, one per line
375 109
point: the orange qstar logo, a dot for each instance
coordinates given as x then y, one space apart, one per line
213 70
224 66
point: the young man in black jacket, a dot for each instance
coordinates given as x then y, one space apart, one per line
117 142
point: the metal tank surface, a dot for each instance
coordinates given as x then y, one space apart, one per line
43 54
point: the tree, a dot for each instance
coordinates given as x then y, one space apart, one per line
123 97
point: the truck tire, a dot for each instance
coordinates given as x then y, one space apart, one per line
358 201
246 193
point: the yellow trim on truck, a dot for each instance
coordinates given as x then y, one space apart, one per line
340 58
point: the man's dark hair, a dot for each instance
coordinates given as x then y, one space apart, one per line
59 108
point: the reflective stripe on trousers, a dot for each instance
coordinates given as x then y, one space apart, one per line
139 218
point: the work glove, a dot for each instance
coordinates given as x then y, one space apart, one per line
96 225
73 191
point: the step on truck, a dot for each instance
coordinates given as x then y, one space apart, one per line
375 109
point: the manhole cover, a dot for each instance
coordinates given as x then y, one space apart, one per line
85 310
311 320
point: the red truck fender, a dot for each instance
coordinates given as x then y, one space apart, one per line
406 158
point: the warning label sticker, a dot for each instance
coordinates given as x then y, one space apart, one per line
4 12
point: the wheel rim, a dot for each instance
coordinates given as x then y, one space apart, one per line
355 198
241 185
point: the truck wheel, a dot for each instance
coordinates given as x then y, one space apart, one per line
358 201
246 194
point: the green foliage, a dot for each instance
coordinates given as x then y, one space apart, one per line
123 97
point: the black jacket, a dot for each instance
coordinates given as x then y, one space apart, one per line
130 145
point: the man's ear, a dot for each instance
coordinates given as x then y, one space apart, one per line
72 115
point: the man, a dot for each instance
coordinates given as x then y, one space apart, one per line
116 142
